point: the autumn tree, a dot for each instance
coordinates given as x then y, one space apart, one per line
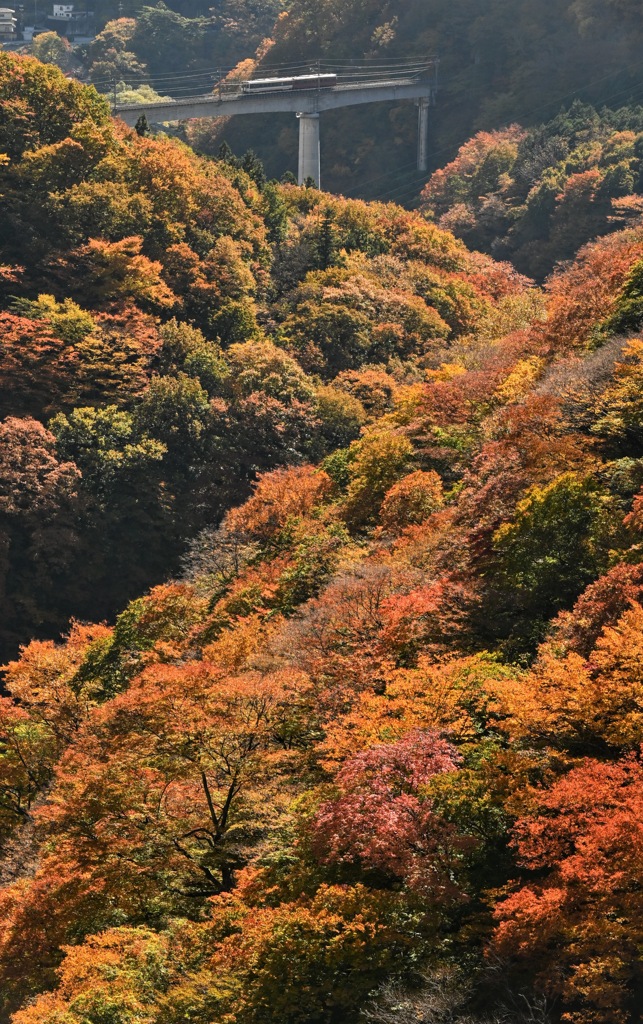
585 707
380 821
110 56
574 925
619 413
47 705
204 750
50 48
453 696
376 461
278 496
601 604
119 972
411 501
39 515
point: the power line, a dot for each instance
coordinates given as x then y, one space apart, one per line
407 186
346 70
386 174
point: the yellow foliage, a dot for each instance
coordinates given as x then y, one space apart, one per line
235 648
408 401
446 371
451 697
520 381
565 703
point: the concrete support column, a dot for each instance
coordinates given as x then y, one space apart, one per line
308 148
423 134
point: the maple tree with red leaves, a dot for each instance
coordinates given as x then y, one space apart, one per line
379 821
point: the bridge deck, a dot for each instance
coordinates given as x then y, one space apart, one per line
305 101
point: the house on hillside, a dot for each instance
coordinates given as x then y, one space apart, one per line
8 24
67 21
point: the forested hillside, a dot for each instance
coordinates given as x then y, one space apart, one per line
342 524
536 196
503 62
172 326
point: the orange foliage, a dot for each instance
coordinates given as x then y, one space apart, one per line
42 372
107 972
118 270
278 497
579 705
600 605
55 699
411 501
44 679
451 696
481 160
585 294
369 621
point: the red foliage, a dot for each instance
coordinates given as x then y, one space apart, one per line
585 294
380 819
42 373
32 480
578 927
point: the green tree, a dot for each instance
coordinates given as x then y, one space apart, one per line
51 48
107 447
342 416
556 543
167 41
110 56
122 485
379 459
175 411
628 312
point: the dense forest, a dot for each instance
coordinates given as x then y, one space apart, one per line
535 196
321 541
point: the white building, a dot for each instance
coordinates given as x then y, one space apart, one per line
7 23
63 12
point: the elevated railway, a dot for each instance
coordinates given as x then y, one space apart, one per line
307 95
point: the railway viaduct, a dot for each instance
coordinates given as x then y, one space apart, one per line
416 83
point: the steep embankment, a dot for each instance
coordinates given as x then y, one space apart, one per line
162 342
383 729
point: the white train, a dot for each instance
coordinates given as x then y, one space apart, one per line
297 82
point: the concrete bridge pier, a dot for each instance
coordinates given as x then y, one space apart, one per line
309 157
423 134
